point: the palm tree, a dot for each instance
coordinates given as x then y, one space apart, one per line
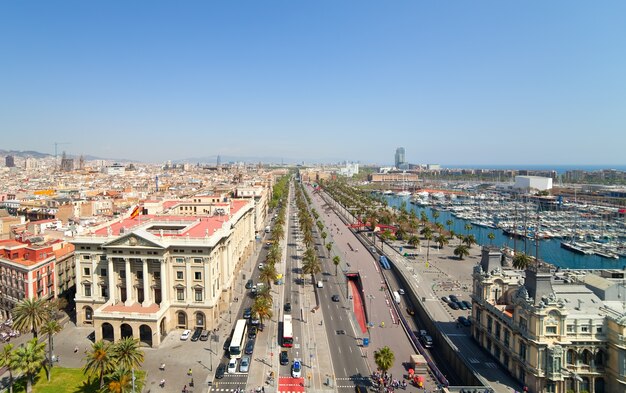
311 266
449 224
442 241
268 274
29 315
400 233
428 235
7 359
100 360
127 353
452 234
491 236
521 261
50 327
435 215
336 262
324 235
469 240
120 381
264 293
29 359
384 358
468 227
414 241
262 307
423 218
329 246
461 251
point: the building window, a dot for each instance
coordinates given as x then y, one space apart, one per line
88 290
103 272
140 274
179 274
198 276
489 323
571 329
104 291
523 324
197 260
122 273
507 335
88 314
550 329
522 350
87 271
180 260
599 330
157 275
198 293
584 329
180 294
498 330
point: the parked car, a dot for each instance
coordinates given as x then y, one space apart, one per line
284 358
335 298
410 311
221 369
467 304
445 299
426 341
461 305
254 319
249 347
244 364
261 266
287 307
464 321
185 335
453 305
422 332
401 291
252 332
227 344
204 336
453 298
247 313
232 366
249 284
296 368
196 334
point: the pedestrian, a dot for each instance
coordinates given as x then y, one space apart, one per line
76 349
189 373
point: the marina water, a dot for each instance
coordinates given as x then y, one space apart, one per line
549 250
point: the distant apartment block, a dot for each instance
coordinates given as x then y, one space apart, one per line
9 162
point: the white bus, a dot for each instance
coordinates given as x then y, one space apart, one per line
238 341
287 331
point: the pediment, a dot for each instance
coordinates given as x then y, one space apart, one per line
132 240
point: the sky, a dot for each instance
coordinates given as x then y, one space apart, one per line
464 82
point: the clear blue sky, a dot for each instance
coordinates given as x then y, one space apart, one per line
465 82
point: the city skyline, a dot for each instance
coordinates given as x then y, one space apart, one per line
470 84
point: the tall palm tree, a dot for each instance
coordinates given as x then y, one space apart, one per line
324 235
311 266
461 251
268 274
423 218
468 227
521 261
264 293
491 236
127 353
384 358
452 234
7 359
29 315
449 224
428 236
435 215
336 262
120 381
329 246
29 360
469 240
442 241
262 307
414 241
50 327
100 360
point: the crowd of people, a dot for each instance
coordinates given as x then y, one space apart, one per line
385 383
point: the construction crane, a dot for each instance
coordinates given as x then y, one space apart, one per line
56 145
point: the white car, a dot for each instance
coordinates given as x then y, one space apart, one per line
232 366
296 369
261 266
185 335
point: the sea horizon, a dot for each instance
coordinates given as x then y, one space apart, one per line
559 168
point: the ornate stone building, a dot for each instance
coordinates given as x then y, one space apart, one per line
556 331
147 276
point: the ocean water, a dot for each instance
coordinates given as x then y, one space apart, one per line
560 169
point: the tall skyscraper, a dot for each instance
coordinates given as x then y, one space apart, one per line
400 160
9 161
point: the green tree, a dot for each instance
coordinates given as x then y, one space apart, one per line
521 261
491 236
435 215
29 315
29 360
414 241
468 227
7 359
428 236
100 360
461 251
442 241
262 307
50 328
324 235
401 234
384 358
127 353
264 293
469 240
329 246
268 274
119 381
423 218
336 262
449 224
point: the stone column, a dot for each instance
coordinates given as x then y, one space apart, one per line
79 277
111 275
147 293
130 292
164 296
206 280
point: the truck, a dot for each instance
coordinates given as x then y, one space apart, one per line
396 297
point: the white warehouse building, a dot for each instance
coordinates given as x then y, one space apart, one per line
533 183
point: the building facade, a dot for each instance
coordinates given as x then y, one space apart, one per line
400 160
147 276
550 329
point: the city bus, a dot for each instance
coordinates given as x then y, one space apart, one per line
287 331
238 341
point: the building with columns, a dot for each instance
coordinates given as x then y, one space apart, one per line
556 331
147 276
